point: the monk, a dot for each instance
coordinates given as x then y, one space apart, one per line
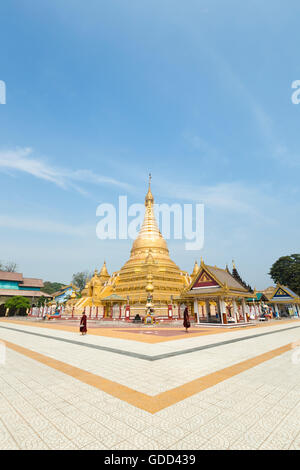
83 327
186 319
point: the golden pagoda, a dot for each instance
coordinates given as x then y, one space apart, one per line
149 256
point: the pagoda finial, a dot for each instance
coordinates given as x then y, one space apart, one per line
103 270
149 199
196 268
202 262
233 264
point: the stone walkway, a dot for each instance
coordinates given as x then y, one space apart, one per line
238 389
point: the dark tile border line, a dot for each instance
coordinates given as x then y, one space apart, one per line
144 356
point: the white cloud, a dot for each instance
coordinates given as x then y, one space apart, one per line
232 197
44 225
22 160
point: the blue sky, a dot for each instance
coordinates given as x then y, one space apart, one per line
101 92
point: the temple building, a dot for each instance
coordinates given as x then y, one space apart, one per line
12 284
63 294
211 294
284 301
217 296
124 293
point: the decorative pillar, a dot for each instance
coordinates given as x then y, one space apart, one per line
222 309
207 308
235 311
295 310
204 311
244 310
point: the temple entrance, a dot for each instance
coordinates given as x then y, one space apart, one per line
116 311
212 312
284 310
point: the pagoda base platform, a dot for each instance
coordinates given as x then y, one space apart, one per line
228 325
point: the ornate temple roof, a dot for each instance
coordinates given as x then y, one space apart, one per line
211 280
280 293
226 278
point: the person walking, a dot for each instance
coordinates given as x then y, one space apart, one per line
186 319
83 324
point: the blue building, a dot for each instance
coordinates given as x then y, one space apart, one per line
12 284
63 294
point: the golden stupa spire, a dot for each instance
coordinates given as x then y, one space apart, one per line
196 269
149 199
149 236
103 271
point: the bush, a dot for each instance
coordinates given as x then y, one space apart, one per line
17 305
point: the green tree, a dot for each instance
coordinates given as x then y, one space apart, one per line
286 271
80 279
17 305
51 287
41 301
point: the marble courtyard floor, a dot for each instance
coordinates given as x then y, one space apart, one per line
156 388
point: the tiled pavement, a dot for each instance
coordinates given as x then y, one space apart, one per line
42 407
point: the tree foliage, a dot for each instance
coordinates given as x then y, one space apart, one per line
51 287
17 304
41 301
286 271
80 279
